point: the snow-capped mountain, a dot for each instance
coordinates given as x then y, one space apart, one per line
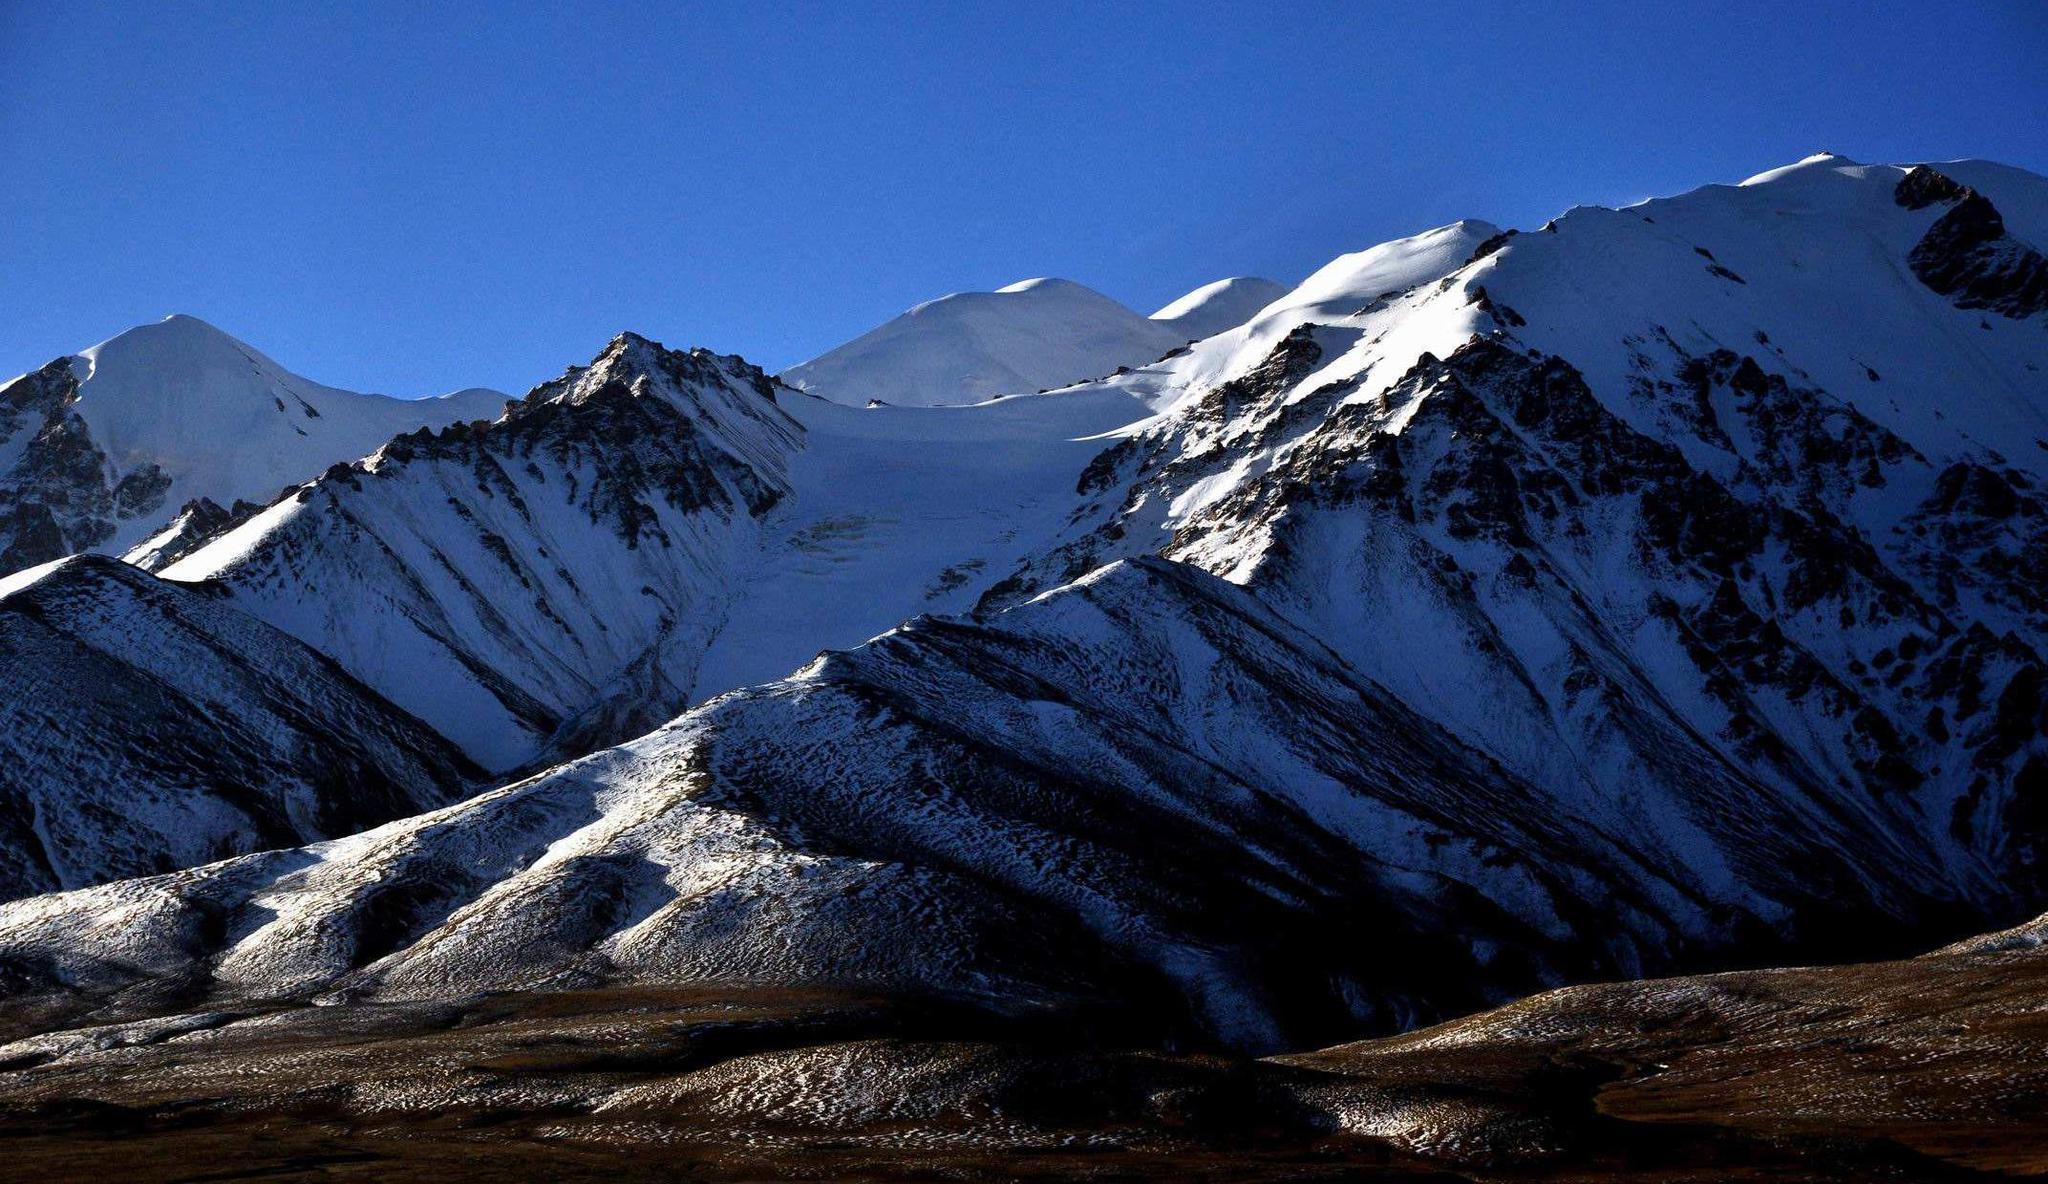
1683 495
1653 590
101 449
548 578
149 726
649 531
1225 304
971 346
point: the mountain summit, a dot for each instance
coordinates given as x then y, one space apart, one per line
100 449
1225 304
973 346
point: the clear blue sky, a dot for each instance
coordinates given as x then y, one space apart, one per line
411 197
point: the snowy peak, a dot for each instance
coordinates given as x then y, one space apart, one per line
1790 430
1350 290
974 346
1225 304
545 581
170 389
1050 285
179 334
98 449
1803 168
1348 283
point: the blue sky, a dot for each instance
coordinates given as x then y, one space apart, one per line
414 197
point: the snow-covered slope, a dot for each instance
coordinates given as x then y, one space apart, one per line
652 530
148 726
1730 495
547 578
972 346
1225 304
899 511
1143 789
100 449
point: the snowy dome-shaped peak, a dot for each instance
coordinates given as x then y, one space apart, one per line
1224 304
188 412
1819 162
973 346
1348 282
179 345
187 322
1046 283
177 339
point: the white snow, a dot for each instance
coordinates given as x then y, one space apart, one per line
1225 304
1343 292
225 422
520 576
898 511
972 346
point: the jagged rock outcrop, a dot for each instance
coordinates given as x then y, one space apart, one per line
58 495
1967 254
197 523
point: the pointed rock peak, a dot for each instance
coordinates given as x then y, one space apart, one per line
1923 186
627 351
627 339
633 352
631 361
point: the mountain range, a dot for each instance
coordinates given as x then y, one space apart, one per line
1652 592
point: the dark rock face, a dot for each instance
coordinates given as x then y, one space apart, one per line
148 727
1967 254
61 495
1537 488
1492 244
1922 187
